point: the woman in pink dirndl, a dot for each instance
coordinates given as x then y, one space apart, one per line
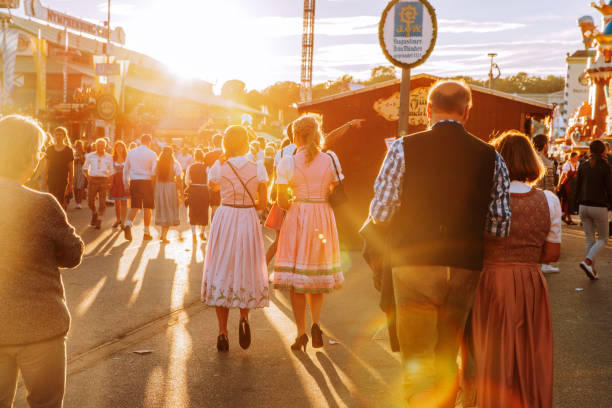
308 257
235 270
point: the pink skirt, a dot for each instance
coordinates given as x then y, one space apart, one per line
513 343
308 255
235 270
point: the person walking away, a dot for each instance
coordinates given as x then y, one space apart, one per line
594 197
438 210
287 148
564 188
80 182
138 173
308 257
511 308
168 189
98 169
35 318
209 160
118 192
235 271
196 182
185 159
547 182
60 166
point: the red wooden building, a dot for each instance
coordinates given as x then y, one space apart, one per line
361 151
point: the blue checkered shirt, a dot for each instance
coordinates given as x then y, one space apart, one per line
389 183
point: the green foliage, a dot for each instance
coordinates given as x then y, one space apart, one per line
522 83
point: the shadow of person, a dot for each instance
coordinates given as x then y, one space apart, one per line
336 382
318 376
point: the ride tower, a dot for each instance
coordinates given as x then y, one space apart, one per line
307 50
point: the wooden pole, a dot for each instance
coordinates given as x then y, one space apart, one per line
404 111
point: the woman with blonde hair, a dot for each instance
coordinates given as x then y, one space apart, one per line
235 271
308 257
511 320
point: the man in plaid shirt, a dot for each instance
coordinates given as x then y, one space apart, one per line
440 192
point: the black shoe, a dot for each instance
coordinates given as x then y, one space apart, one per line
94 220
127 232
222 343
244 333
317 336
300 343
147 237
98 223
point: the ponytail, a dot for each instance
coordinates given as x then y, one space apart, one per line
307 129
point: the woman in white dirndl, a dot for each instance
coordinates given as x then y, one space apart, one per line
235 270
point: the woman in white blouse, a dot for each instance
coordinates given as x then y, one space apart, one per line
235 270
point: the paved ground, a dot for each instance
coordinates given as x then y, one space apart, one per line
129 297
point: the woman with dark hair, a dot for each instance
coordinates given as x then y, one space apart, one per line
594 196
35 318
235 271
308 257
80 182
167 192
118 192
566 192
196 182
511 320
60 166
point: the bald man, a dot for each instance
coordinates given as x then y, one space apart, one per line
439 191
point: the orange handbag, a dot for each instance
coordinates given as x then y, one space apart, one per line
275 218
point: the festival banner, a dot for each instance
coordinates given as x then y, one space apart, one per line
39 51
9 39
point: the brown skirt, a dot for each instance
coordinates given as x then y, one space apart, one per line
513 343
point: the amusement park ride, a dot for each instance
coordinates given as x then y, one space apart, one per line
593 120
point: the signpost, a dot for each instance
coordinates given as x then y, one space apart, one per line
407 33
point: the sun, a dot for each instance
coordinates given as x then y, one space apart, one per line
211 40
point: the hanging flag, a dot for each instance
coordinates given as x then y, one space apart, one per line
9 39
39 50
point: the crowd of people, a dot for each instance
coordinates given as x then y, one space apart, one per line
464 238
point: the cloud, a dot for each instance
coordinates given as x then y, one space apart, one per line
273 26
466 26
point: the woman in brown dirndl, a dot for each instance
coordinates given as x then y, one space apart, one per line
512 328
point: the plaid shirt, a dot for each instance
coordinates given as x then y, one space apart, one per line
389 183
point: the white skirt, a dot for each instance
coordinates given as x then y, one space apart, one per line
235 270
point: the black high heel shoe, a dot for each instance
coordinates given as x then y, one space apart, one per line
244 334
300 342
222 343
317 336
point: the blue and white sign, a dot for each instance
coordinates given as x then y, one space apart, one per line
408 32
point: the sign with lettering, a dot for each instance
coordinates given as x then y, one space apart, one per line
407 32
388 108
33 8
108 69
12 4
106 107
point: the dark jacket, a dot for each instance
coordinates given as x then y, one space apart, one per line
35 240
445 199
594 185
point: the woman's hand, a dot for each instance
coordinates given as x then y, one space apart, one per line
283 196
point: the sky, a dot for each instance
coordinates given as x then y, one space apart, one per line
259 41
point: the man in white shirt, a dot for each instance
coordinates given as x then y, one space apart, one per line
98 169
139 172
185 159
